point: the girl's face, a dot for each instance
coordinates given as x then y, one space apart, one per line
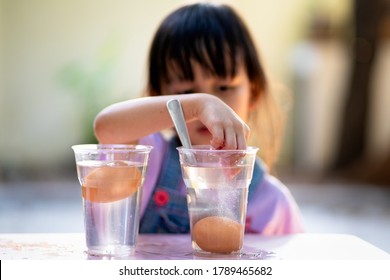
234 91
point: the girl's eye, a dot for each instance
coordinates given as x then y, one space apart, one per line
225 88
185 91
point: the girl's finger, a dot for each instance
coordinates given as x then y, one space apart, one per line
230 139
218 138
241 142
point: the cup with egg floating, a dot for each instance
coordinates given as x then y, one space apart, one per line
217 184
111 178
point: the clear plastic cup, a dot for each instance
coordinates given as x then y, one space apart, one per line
217 184
111 178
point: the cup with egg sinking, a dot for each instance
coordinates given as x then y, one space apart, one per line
217 183
111 178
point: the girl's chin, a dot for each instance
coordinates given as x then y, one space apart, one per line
204 137
201 137
201 141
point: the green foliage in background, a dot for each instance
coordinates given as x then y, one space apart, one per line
91 82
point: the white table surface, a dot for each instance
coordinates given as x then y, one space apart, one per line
176 246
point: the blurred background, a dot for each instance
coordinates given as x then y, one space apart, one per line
61 62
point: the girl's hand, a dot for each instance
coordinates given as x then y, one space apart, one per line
128 121
228 131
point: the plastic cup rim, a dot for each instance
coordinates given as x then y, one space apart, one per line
112 147
207 148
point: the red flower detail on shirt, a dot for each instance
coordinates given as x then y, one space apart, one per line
161 198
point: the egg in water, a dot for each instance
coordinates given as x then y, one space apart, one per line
108 184
216 234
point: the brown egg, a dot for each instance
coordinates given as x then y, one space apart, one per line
107 184
218 234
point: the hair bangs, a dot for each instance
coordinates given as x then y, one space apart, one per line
204 35
212 51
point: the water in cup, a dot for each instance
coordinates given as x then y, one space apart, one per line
111 191
217 190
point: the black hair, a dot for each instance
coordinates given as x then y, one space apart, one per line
216 37
212 35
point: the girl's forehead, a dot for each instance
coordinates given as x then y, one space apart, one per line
176 71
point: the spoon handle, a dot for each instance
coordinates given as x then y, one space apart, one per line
177 116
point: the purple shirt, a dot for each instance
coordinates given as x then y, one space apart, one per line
271 211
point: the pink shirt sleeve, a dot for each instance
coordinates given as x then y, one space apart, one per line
272 210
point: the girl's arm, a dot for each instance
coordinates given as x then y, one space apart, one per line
128 121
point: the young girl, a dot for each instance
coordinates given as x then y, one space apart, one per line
203 55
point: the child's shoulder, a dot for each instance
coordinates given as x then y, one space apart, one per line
274 190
